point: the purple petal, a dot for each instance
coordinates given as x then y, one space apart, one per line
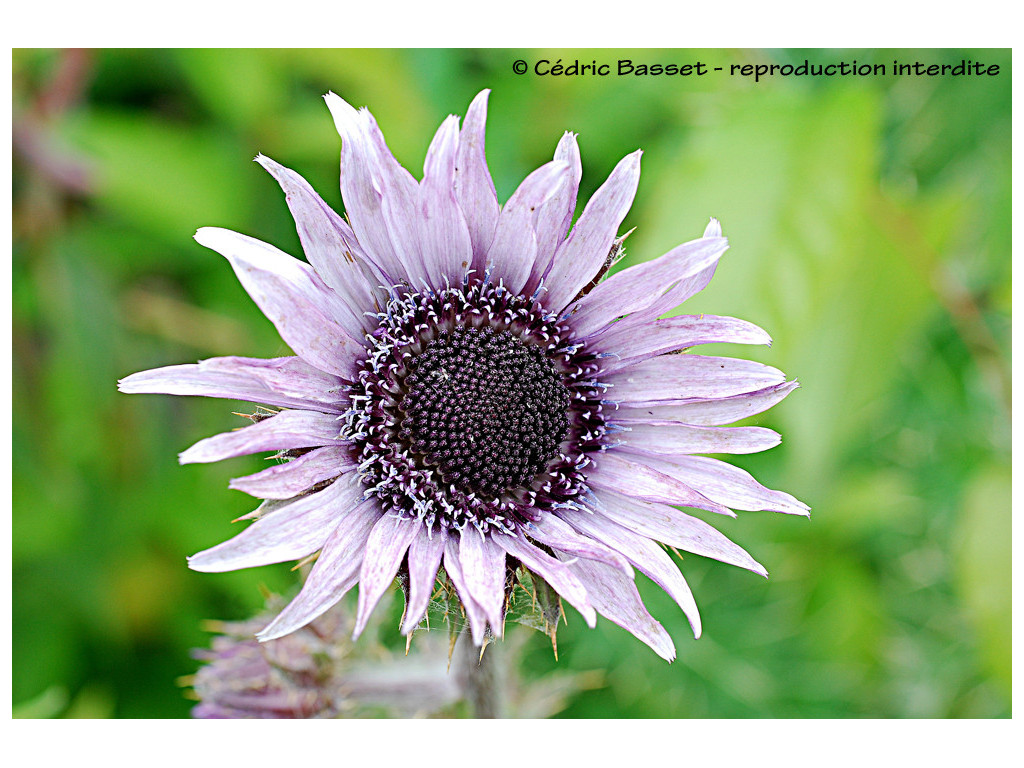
286 382
675 528
289 532
376 189
664 379
283 481
671 437
444 237
615 597
330 245
729 485
671 335
679 292
713 412
513 251
335 572
385 548
474 188
643 553
551 570
483 570
474 612
290 293
555 215
584 253
624 475
284 431
424 558
561 537
638 287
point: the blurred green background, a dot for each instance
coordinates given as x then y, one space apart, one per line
869 219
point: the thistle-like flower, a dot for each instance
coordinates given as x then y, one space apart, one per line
468 392
317 672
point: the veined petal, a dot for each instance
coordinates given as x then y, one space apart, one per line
629 477
302 308
376 189
675 528
554 216
680 291
286 382
385 548
445 241
283 481
335 572
668 378
483 570
728 485
671 437
671 335
474 188
513 251
289 532
474 612
644 554
710 412
615 597
331 247
638 287
551 570
584 253
424 559
562 537
284 431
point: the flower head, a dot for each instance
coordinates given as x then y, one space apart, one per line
316 672
467 392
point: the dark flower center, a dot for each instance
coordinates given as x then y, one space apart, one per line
474 407
486 409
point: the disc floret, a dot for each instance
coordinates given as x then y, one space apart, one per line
474 406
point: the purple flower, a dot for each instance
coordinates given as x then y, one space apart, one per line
468 392
316 672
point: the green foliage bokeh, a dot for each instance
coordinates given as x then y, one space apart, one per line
869 221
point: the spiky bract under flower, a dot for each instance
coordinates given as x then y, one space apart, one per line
468 393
